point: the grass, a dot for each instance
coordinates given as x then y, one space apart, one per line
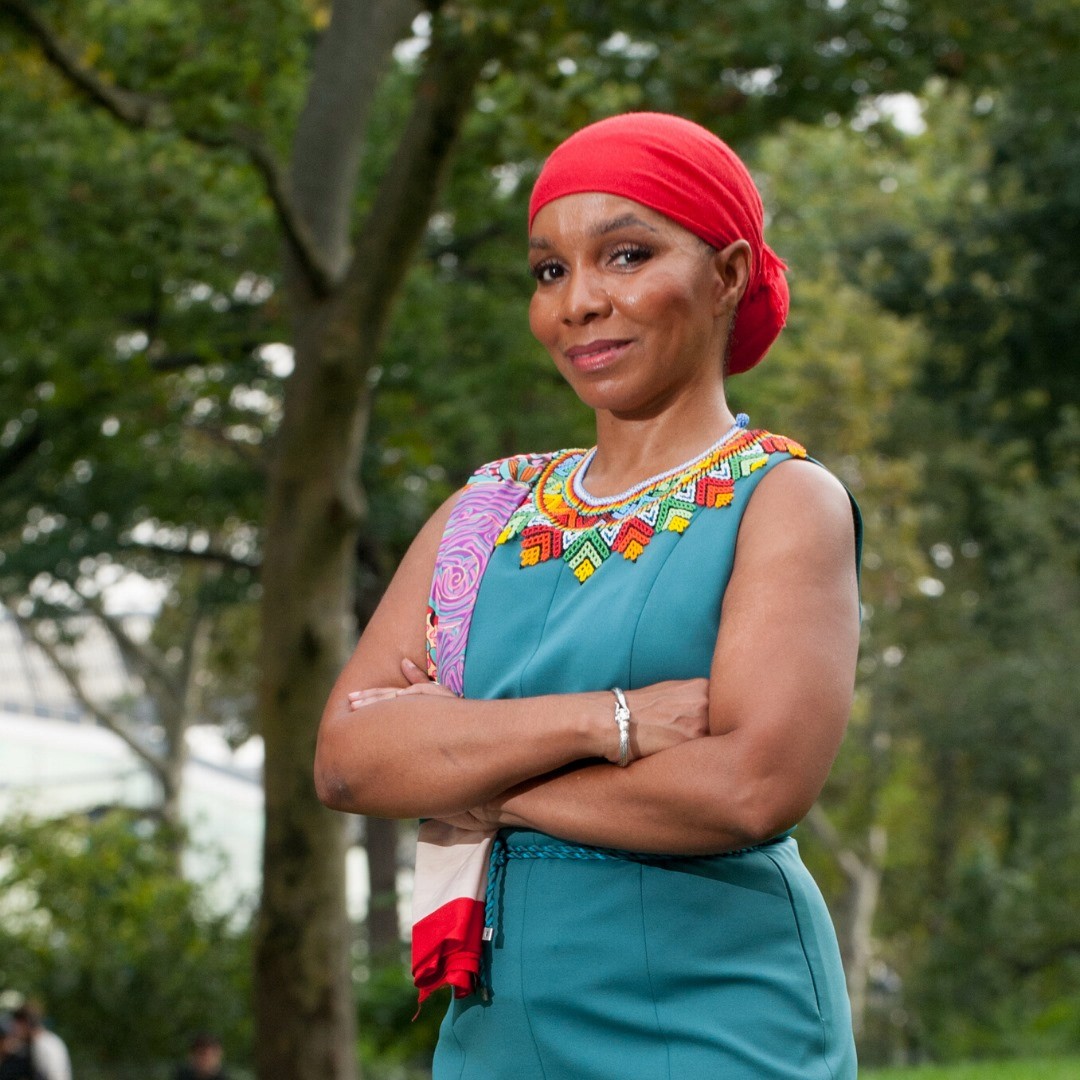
1026 1069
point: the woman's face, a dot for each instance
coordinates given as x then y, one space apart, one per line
632 307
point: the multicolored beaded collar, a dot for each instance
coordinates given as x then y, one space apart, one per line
556 522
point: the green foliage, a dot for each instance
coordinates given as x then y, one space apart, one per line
396 1041
125 955
983 691
994 270
1026 1069
173 52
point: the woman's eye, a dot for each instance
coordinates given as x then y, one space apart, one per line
630 255
546 272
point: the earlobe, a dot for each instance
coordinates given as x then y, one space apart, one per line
733 266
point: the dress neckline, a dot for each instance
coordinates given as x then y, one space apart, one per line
575 482
554 523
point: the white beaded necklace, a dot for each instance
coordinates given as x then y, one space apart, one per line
576 481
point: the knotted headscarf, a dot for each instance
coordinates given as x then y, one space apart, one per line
686 173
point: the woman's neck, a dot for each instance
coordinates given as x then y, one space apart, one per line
631 449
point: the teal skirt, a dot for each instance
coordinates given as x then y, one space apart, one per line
652 968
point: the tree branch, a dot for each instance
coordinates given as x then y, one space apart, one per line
145 660
75 684
349 61
152 112
210 555
408 190
819 823
135 110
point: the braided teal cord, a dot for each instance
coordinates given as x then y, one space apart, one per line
496 863
576 851
580 854
494 875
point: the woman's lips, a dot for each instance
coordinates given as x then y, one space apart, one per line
596 354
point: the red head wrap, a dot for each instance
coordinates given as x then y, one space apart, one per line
686 173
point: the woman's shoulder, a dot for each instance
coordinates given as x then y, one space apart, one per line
803 498
806 475
762 443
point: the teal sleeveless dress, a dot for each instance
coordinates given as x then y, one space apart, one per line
609 965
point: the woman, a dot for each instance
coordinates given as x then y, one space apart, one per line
681 601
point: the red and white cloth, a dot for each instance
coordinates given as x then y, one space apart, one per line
450 880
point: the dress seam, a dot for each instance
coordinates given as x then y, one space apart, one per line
806 960
678 536
543 626
642 608
521 969
648 970
460 1046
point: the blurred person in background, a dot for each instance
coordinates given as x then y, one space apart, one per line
47 1050
203 1060
15 1061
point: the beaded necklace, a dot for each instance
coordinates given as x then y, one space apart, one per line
577 477
561 520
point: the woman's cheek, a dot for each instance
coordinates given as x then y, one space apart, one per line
540 319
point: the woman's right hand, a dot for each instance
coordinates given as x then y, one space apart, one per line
663 715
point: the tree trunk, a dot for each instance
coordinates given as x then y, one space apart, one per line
178 716
304 1014
855 923
383 932
864 890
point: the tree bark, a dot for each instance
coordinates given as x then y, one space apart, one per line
862 872
383 932
304 1014
328 146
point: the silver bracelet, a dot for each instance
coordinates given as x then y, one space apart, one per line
622 720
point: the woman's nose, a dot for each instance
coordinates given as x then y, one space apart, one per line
584 297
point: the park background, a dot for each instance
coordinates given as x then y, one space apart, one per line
262 307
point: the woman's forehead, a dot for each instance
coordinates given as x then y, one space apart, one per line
596 213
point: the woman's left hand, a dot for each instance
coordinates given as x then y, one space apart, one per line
418 682
480 819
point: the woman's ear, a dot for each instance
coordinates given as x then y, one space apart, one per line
732 265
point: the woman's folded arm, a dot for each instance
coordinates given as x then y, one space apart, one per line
394 745
779 696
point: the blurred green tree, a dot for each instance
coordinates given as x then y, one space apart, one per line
984 688
96 923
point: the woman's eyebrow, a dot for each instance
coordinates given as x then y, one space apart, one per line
539 243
